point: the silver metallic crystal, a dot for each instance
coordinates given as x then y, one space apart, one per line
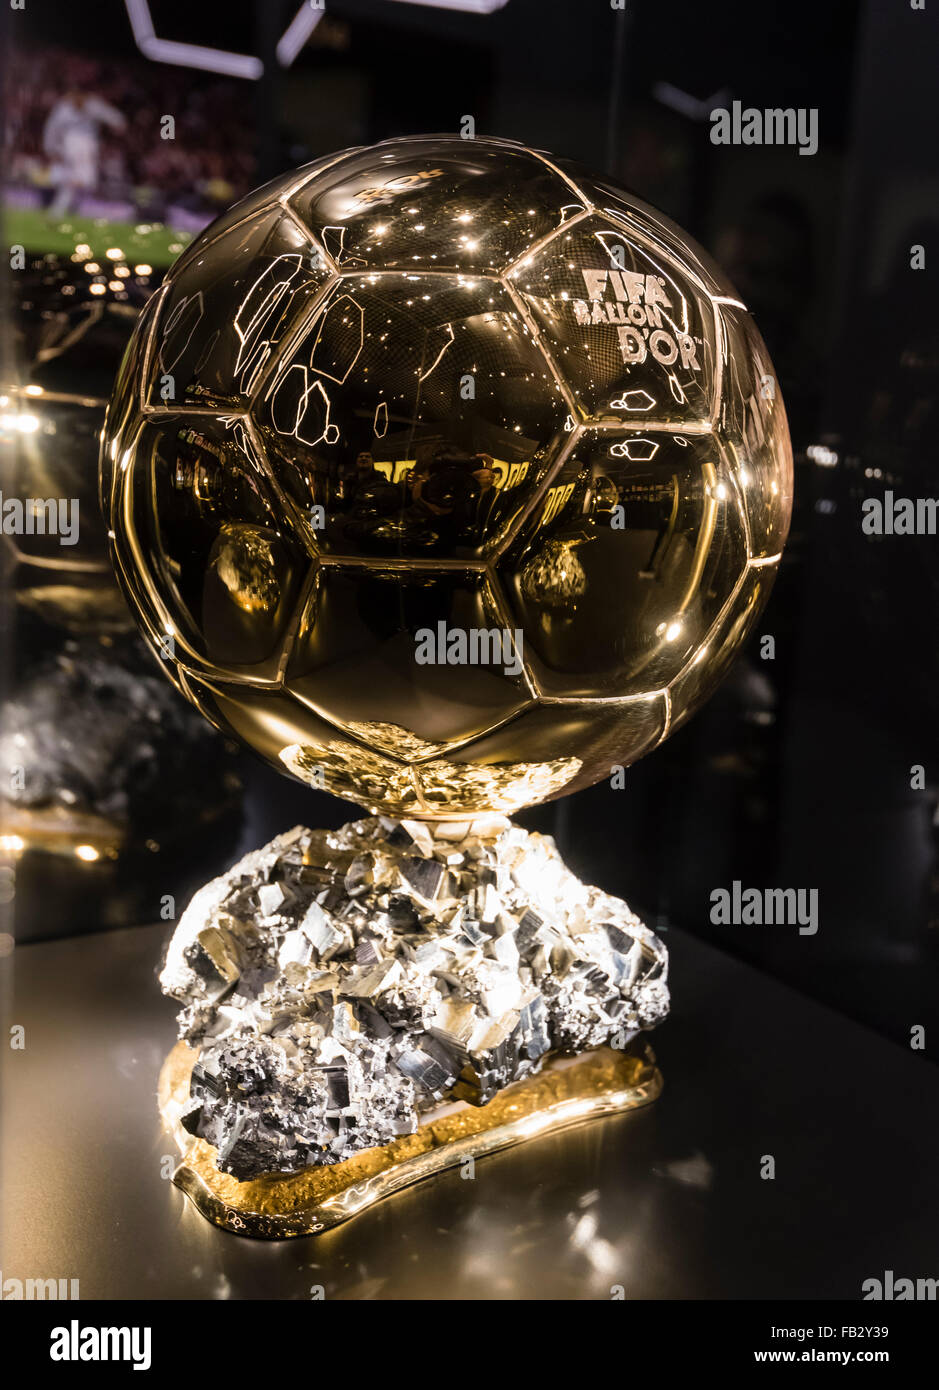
339 984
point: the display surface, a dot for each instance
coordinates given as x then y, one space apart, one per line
446 476
665 1200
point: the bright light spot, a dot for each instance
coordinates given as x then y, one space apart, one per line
143 269
26 424
97 289
92 267
12 844
34 390
87 852
672 631
823 456
114 253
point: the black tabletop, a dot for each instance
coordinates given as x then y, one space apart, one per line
668 1202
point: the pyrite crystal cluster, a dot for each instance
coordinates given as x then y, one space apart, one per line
340 985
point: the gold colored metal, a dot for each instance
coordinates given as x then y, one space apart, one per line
452 790
446 476
567 1091
458 387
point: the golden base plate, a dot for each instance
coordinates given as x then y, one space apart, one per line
567 1091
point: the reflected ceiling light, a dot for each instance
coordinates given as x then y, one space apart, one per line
187 55
24 424
246 65
468 6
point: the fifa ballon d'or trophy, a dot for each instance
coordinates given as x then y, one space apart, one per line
449 477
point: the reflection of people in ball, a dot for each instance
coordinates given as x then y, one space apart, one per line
377 497
484 472
416 478
605 498
354 476
450 494
437 503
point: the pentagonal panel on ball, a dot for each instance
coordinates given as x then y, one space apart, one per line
203 547
655 229
618 575
435 204
408 662
297 741
753 419
546 751
223 313
700 677
415 417
123 411
624 326
259 201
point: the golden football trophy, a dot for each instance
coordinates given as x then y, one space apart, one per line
448 477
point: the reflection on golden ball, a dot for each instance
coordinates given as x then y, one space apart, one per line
446 475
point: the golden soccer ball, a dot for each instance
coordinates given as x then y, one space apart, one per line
446 475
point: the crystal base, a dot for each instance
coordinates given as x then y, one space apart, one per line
567 1091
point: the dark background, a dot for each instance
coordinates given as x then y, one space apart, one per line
798 772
